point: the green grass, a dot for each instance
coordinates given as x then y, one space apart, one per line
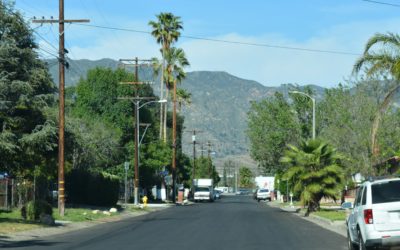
79 214
332 215
11 222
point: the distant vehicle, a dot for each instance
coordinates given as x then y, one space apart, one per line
375 219
222 189
263 194
217 194
203 190
255 194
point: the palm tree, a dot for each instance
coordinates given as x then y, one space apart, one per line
166 30
176 60
183 97
385 60
315 170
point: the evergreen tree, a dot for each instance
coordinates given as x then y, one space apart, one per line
27 138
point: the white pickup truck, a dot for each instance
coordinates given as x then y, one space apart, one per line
203 190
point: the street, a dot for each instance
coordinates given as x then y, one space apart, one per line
233 222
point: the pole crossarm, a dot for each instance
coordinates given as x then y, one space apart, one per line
137 83
136 98
41 21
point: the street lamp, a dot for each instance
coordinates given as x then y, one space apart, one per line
138 106
313 111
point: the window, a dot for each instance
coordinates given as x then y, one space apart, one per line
202 189
364 197
386 192
358 197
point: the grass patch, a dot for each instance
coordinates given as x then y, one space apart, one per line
79 214
12 221
332 215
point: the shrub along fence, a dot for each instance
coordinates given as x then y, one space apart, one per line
91 188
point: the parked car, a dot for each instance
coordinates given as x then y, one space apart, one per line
255 194
375 218
263 194
217 194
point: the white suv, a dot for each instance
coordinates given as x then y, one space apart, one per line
263 194
375 219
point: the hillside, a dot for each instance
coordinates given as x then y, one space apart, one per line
220 103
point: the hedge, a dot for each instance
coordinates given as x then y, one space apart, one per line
91 188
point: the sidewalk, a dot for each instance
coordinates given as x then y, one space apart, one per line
338 227
68 226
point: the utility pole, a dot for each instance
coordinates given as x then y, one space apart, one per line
194 142
174 146
209 158
61 86
136 100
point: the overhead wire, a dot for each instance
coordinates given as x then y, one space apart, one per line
21 17
383 3
227 41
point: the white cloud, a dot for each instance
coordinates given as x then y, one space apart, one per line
269 66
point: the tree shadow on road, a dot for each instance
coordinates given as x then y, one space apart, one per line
4 243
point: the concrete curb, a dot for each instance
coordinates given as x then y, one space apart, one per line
338 227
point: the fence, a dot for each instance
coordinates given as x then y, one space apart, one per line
15 192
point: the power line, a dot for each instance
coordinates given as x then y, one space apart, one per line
383 3
230 41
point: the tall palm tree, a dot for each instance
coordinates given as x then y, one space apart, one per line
315 170
384 60
166 30
175 62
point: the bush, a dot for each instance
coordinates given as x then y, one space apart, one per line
92 188
33 209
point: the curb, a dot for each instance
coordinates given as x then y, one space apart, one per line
338 227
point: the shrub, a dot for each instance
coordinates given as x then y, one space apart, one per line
92 188
33 209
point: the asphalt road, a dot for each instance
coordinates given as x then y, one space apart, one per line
234 222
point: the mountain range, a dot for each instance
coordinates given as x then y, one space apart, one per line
218 109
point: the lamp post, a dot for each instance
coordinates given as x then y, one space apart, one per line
313 109
138 106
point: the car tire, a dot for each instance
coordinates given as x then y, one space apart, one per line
350 244
361 245
258 200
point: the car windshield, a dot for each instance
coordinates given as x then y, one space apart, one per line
263 191
202 189
386 192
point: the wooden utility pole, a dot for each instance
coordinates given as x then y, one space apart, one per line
209 158
136 100
174 145
61 85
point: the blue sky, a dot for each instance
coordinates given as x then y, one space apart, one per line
340 25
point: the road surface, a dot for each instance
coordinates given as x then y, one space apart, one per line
233 222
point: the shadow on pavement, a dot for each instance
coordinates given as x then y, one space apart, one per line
25 243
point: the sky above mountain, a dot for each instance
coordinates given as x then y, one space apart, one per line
272 42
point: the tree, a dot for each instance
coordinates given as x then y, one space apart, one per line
303 107
183 97
27 138
206 169
316 171
166 30
271 125
246 177
345 116
386 60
